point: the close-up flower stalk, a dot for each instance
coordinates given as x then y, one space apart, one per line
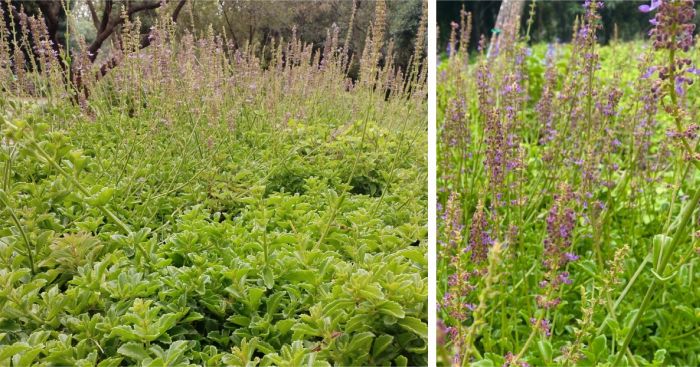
573 142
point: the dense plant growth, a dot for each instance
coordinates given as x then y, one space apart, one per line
568 198
199 205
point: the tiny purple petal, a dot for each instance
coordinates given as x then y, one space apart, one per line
647 8
649 72
571 256
679 87
694 70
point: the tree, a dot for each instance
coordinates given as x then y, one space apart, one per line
508 21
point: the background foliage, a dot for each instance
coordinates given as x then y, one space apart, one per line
553 20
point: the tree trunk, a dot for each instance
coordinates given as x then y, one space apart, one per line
507 22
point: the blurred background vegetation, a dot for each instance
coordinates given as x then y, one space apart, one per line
553 20
239 20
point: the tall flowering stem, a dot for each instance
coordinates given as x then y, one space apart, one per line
468 269
560 224
490 278
674 33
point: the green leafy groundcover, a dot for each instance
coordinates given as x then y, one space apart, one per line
222 264
283 223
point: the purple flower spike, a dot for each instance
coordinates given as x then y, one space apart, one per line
647 8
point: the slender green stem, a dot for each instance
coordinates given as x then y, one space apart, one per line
684 335
680 230
637 317
529 340
25 238
631 282
8 169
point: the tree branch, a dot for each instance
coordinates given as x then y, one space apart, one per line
141 7
109 25
178 8
105 16
93 14
145 39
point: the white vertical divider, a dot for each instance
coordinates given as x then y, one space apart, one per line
432 185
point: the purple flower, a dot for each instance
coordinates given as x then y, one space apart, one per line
649 72
543 325
564 278
647 8
679 85
571 256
